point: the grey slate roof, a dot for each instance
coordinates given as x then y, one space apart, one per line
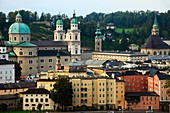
155 42
50 43
52 53
17 85
4 62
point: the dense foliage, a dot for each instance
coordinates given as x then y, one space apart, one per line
62 92
137 26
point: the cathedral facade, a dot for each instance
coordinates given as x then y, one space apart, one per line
37 56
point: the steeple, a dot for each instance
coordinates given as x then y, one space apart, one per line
98 32
59 23
98 38
74 22
18 18
155 27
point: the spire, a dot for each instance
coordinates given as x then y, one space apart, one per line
74 14
155 21
155 27
98 32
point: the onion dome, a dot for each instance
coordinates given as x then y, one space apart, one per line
74 19
98 32
59 21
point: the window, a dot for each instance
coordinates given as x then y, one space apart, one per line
41 99
66 60
30 61
46 104
42 60
20 53
30 68
42 66
36 100
31 100
26 100
30 53
76 37
50 60
26 104
33 104
46 100
50 67
61 37
15 38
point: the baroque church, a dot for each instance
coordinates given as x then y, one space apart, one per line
36 56
154 45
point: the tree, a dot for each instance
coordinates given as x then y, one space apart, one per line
62 92
39 107
42 17
167 85
17 70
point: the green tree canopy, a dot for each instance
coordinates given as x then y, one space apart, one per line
62 92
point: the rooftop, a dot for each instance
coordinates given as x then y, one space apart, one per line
36 91
50 43
52 53
155 42
134 94
4 62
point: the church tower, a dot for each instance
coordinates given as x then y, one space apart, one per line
98 39
59 33
155 27
73 39
3 49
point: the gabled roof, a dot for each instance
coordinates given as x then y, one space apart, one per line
36 91
155 42
25 44
50 43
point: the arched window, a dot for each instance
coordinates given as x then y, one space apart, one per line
76 51
148 52
61 37
154 53
22 38
76 37
30 53
164 52
20 53
70 37
98 44
15 38
56 37
160 52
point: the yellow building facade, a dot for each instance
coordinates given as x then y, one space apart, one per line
99 93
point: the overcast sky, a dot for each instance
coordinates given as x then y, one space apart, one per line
83 7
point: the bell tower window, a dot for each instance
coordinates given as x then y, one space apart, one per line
61 37
76 37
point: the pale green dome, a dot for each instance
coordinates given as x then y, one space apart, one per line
19 27
59 22
74 21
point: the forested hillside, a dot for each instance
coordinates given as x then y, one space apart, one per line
130 27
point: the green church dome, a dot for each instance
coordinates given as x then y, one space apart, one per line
19 27
74 20
59 22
